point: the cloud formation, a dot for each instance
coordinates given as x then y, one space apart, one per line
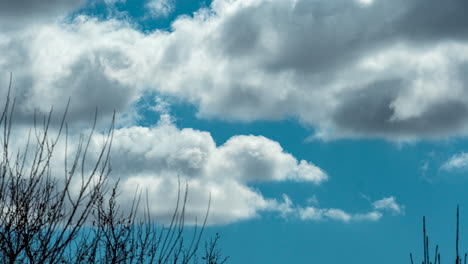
386 68
154 158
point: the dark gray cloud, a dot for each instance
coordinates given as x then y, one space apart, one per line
20 13
241 33
370 112
317 36
431 20
32 7
91 88
323 45
311 36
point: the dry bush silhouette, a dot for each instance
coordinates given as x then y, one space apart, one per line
45 219
213 255
427 259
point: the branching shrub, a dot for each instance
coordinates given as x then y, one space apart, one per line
75 217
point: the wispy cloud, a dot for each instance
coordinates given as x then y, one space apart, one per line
456 162
316 213
319 214
389 204
313 213
160 8
113 2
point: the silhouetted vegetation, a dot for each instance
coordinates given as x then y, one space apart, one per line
427 259
74 217
213 255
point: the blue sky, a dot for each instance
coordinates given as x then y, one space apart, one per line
324 130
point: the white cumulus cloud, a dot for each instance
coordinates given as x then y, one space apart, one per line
154 158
